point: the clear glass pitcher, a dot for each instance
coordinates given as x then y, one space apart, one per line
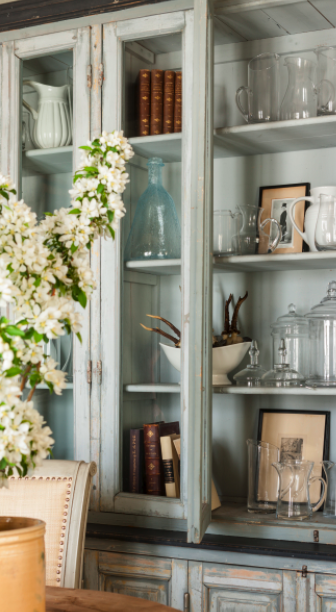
262 478
325 230
326 80
262 91
226 224
300 99
294 494
329 509
252 238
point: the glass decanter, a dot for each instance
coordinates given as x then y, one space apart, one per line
251 375
282 375
155 231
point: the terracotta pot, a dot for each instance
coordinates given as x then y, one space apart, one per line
22 565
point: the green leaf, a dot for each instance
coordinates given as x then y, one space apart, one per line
91 169
48 214
3 320
38 281
74 211
12 191
73 248
45 338
14 371
34 379
4 194
3 463
76 177
111 230
100 188
29 333
50 385
85 148
12 330
79 337
79 295
110 215
37 337
96 142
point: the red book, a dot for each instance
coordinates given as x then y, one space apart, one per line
152 459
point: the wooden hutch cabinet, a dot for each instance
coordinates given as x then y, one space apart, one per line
176 551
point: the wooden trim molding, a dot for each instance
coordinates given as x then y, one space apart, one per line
26 13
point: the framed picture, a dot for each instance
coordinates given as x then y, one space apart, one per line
302 435
275 200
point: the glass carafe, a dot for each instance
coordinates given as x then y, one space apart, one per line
322 340
263 89
329 509
262 478
326 80
252 237
300 99
293 496
325 230
155 231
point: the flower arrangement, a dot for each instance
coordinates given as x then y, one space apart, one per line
44 270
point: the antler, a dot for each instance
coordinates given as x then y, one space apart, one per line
177 341
227 315
233 328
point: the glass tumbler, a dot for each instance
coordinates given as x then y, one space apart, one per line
262 478
262 91
225 227
325 230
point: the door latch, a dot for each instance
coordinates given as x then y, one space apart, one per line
89 372
186 602
304 571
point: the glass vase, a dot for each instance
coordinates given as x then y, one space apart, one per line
155 231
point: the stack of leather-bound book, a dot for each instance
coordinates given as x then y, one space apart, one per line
160 102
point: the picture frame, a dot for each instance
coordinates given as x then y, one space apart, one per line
274 200
301 434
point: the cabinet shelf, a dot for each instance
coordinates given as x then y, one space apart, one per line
169 146
153 388
275 391
159 266
277 137
48 161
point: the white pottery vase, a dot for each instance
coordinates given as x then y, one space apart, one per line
311 215
52 122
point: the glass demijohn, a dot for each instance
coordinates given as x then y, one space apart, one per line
294 329
282 375
155 231
262 478
251 375
322 339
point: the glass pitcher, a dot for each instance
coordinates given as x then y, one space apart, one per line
325 230
262 478
294 495
262 91
329 509
225 226
252 238
300 99
326 80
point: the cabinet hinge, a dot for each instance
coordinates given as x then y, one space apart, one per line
89 76
100 74
186 602
304 571
89 372
99 372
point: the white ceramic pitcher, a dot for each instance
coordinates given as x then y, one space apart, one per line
311 214
52 125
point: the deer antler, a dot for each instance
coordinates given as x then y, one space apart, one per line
175 330
227 316
177 341
233 328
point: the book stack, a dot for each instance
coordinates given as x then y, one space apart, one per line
155 453
160 102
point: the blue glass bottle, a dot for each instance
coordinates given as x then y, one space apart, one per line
155 231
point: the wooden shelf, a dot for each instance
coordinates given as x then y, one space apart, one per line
153 388
310 391
169 146
277 137
234 520
48 161
158 266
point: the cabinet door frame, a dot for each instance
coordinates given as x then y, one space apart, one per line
13 52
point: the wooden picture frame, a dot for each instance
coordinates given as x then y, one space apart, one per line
302 434
274 200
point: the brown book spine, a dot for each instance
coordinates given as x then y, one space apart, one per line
144 102
152 459
178 103
168 101
136 461
156 117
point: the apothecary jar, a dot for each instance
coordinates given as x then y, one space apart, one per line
322 340
294 329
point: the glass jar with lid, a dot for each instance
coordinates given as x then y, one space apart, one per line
294 329
322 340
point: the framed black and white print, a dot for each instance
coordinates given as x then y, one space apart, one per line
275 201
301 435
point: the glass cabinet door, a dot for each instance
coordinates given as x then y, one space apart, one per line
161 381
49 118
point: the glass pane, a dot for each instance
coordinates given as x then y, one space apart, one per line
152 274
46 142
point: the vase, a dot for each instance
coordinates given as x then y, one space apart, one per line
22 565
155 231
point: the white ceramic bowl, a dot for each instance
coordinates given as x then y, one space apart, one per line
224 360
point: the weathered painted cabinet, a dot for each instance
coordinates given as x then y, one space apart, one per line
121 379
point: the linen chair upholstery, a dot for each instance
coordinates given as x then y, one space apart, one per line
58 493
